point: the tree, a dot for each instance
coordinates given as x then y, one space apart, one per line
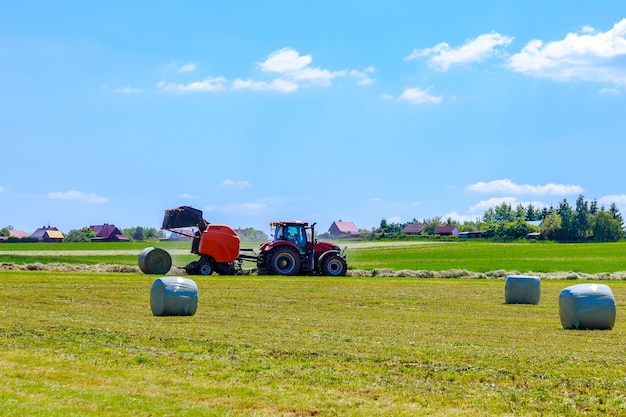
6 231
250 234
79 235
567 220
606 228
551 226
581 229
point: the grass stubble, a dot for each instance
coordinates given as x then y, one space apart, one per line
86 344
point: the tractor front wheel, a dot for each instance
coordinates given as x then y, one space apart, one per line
284 261
334 265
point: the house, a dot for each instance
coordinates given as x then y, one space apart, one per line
339 228
48 234
108 233
20 234
447 231
413 229
471 235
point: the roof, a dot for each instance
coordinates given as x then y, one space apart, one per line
415 228
55 234
18 233
445 229
39 233
345 227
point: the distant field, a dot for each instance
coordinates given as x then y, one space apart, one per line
476 256
86 344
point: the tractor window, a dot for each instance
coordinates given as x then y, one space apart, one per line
296 235
278 233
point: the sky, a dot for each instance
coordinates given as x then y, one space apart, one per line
352 110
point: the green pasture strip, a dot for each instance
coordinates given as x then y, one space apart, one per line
483 256
86 344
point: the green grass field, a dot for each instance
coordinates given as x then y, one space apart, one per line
87 344
476 255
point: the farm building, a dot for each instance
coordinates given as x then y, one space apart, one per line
339 228
48 234
471 235
108 233
447 231
413 229
18 234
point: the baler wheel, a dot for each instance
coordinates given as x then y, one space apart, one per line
205 267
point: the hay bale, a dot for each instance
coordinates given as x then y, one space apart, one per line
521 289
174 296
154 261
587 306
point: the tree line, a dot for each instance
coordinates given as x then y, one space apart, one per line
586 221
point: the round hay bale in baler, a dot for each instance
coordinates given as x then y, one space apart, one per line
521 289
587 306
174 296
155 261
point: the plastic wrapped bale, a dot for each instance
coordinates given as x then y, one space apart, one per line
154 261
520 289
174 296
587 306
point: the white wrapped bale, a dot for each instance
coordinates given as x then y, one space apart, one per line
587 306
174 296
520 289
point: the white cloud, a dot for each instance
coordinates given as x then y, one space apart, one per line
77 196
210 84
191 67
231 183
484 205
588 56
442 56
187 196
296 68
128 90
278 85
418 96
618 199
459 217
506 186
394 219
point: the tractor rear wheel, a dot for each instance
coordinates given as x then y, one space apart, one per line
191 268
284 261
334 265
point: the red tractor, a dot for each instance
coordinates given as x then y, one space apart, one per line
293 250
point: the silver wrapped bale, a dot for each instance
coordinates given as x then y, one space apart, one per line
521 289
587 306
174 296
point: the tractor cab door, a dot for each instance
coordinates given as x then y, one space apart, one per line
296 235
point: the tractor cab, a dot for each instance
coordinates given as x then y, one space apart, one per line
295 232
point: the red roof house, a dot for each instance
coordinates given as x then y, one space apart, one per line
343 228
413 229
447 231
108 233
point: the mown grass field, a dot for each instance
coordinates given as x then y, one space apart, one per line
475 255
87 344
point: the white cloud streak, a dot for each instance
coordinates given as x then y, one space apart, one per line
128 90
588 56
231 183
442 56
419 96
506 186
77 196
211 84
291 70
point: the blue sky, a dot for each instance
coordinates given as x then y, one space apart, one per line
256 111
